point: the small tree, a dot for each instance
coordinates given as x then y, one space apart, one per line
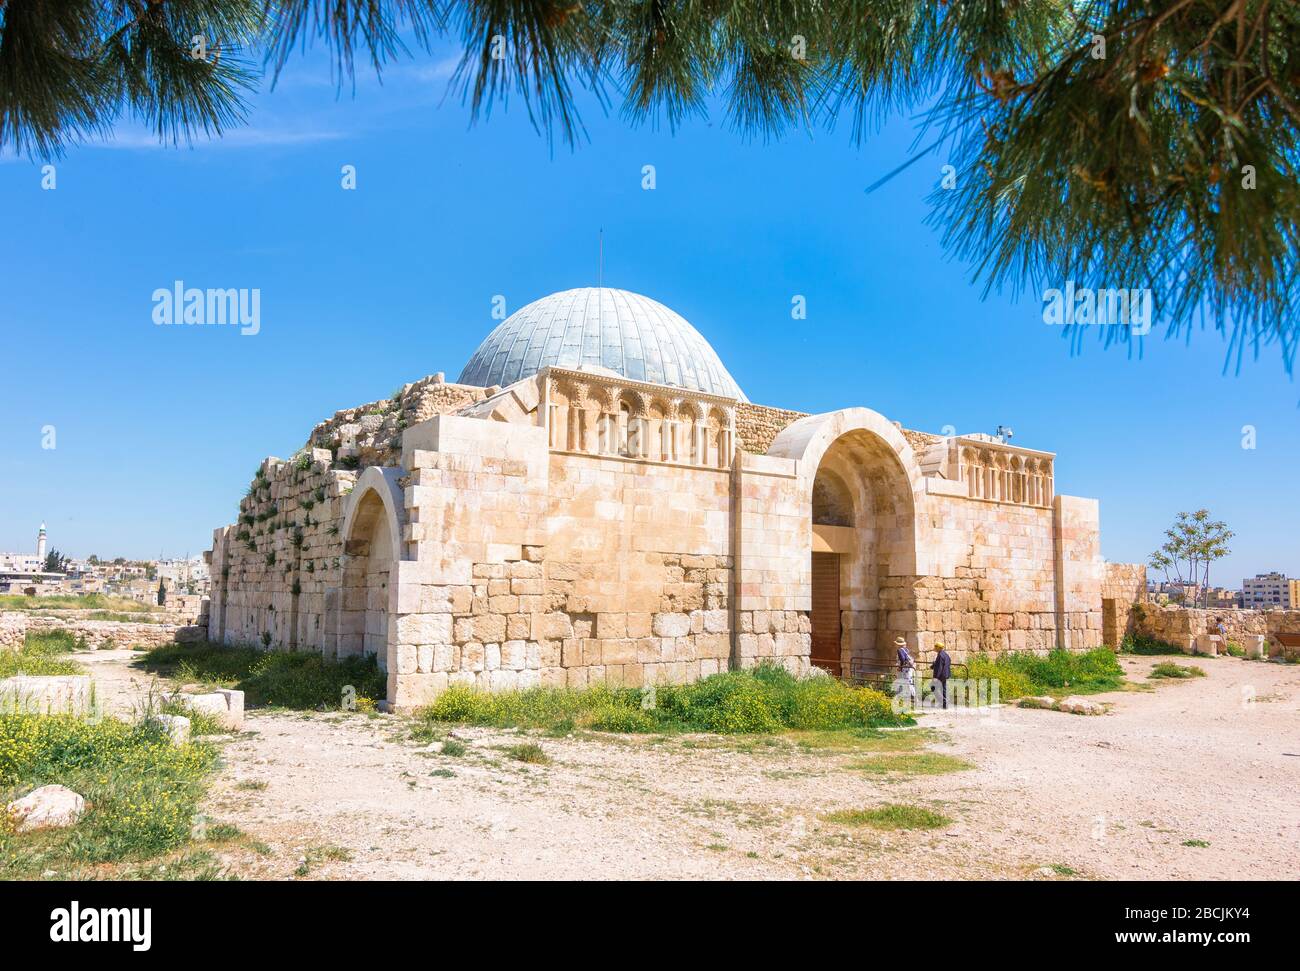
162 593
55 562
1193 542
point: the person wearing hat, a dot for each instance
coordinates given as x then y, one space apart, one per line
941 669
906 670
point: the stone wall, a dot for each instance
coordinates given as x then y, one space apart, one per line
272 569
371 434
1124 585
757 425
1174 625
13 629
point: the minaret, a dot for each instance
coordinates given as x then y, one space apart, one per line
40 547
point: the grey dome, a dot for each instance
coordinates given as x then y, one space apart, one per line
593 327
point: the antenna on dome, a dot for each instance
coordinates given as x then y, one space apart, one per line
600 265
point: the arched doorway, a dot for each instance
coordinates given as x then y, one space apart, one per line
368 563
863 487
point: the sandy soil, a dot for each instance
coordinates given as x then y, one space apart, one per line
1050 795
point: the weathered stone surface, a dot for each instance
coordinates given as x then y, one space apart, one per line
225 705
49 807
177 727
47 694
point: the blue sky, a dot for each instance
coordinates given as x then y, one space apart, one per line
160 428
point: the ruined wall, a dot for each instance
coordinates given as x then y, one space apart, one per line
272 570
371 434
13 629
757 425
1124 585
1174 625
15 625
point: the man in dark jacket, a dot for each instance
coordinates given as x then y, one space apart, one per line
941 669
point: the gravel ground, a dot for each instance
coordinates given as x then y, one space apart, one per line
1048 795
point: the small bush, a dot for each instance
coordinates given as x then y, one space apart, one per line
1167 669
1021 673
529 752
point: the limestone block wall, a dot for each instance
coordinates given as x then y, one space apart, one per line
531 567
274 569
992 573
13 629
1124 585
773 566
1174 625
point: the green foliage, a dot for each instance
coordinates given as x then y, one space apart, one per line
142 791
890 816
1167 160
529 752
759 701
40 655
90 601
300 680
1144 645
1168 669
1059 671
1194 541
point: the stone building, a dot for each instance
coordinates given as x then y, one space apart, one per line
596 501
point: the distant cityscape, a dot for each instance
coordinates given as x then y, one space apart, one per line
1263 591
44 572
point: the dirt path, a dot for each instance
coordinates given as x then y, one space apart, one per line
1114 796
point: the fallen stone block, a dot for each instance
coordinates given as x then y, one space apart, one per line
28 694
192 633
1073 705
1208 644
1038 701
1081 706
1189 646
177 727
1254 645
225 705
49 807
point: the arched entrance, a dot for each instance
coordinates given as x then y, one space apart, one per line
862 482
372 540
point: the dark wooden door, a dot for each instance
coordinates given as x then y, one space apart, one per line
826 611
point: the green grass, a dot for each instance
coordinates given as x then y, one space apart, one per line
915 763
1142 644
529 752
90 601
302 680
1167 669
42 654
1063 870
1056 673
763 700
1199 844
890 816
142 793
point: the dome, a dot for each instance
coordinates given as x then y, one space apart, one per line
598 327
